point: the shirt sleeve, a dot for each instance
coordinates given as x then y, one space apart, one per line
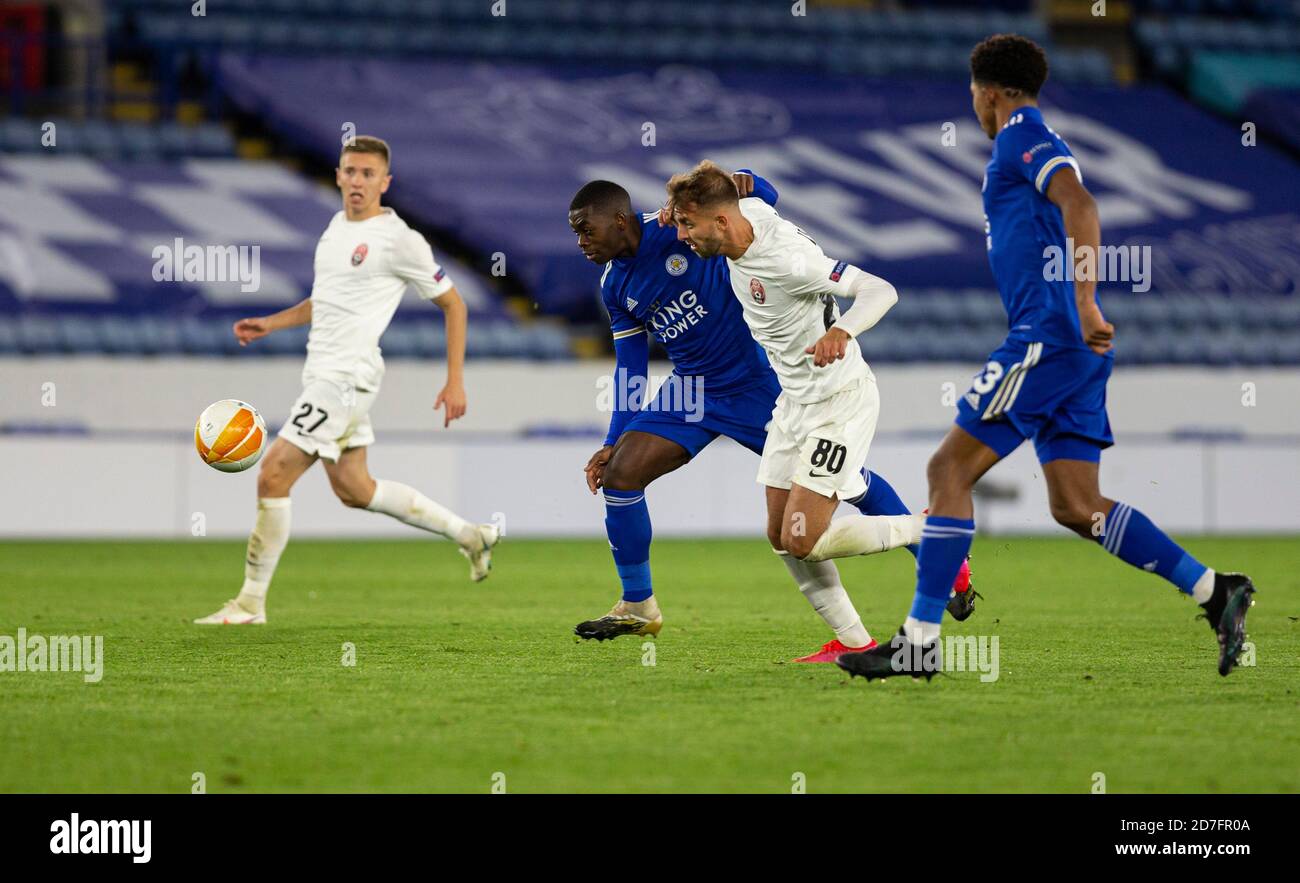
812 273
1035 154
872 298
632 362
631 365
621 323
412 260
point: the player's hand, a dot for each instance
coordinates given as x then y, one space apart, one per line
453 397
1098 334
666 215
744 182
830 348
247 330
595 467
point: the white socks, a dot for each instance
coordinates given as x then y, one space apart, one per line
1204 587
820 583
271 532
866 535
919 632
409 506
266 542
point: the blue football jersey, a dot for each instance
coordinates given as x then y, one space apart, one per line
686 303
1021 222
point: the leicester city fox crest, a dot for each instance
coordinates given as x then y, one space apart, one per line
675 265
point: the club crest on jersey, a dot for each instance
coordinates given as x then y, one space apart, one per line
359 254
757 291
675 265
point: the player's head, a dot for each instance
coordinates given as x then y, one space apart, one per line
1006 71
600 213
705 206
363 174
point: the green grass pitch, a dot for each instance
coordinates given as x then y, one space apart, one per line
1103 669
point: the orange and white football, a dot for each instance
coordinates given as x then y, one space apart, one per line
230 435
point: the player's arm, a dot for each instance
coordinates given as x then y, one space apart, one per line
247 330
750 184
631 367
1083 226
872 298
412 260
813 274
456 318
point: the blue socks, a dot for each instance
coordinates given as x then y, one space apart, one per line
945 542
1130 536
882 499
627 524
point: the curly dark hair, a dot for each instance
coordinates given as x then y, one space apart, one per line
1009 61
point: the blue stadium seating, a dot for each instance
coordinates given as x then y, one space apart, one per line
111 140
927 41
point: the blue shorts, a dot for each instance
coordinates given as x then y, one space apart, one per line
1054 394
742 415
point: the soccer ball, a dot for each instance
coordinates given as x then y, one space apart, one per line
230 435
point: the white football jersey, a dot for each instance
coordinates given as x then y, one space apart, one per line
786 285
362 270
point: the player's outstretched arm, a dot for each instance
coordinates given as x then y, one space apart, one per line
248 330
456 317
1083 226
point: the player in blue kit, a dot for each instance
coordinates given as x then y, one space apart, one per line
722 384
1047 382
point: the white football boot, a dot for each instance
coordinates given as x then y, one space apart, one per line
480 555
234 613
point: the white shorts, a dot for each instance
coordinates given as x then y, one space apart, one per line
822 446
329 417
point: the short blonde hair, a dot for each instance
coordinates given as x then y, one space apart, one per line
368 144
704 186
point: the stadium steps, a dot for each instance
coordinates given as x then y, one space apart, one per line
150 335
925 326
134 95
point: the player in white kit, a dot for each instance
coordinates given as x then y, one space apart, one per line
364 262
825 417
